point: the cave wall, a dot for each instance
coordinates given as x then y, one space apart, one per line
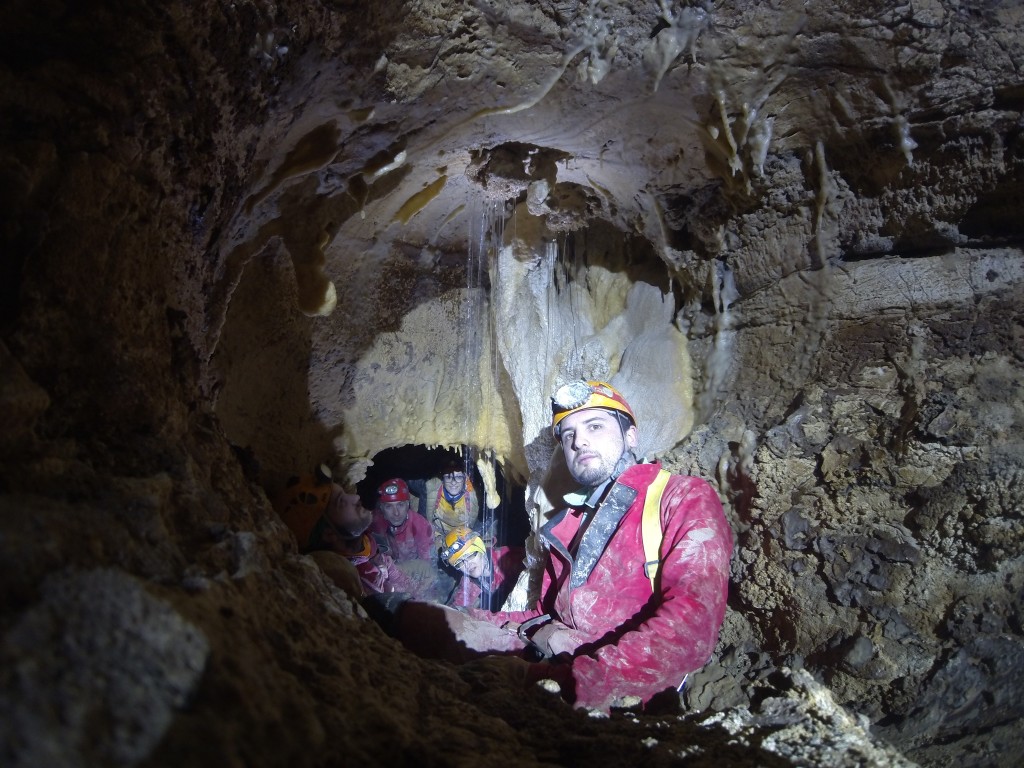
235 242
871 569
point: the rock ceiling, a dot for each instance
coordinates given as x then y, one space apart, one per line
242 238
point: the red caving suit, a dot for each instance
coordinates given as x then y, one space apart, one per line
412 540
623 639
506 565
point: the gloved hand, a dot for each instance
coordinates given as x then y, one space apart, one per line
554 638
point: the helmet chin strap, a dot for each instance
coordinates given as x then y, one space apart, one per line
628 458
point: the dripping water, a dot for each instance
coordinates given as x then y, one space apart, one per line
572 275
550 264
479 339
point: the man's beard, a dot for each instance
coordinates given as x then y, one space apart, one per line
592 474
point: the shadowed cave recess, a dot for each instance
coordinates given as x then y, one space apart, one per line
242 239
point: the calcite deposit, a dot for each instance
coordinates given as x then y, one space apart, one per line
241 239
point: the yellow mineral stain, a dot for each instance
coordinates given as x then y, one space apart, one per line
327 305
361 115
317 295
453 214
312 152
417 202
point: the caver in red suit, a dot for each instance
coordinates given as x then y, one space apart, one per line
412 540
378 571
326 517
506 565
608 632
619 637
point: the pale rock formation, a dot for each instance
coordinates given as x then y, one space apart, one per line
243 238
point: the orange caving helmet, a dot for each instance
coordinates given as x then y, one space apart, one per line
394 489
579 395
302 501
460 542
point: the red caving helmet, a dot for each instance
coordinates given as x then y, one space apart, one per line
394 489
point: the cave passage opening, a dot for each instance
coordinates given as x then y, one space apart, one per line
420 466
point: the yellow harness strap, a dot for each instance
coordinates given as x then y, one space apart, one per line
650 525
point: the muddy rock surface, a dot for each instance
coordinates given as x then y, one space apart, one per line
241 239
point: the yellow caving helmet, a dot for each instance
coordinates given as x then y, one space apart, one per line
302 501
459 542
579 395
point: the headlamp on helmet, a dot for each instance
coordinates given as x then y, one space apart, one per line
393 490
459 543
579 395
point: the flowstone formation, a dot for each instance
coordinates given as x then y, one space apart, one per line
242 239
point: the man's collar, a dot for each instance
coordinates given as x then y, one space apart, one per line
588 497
